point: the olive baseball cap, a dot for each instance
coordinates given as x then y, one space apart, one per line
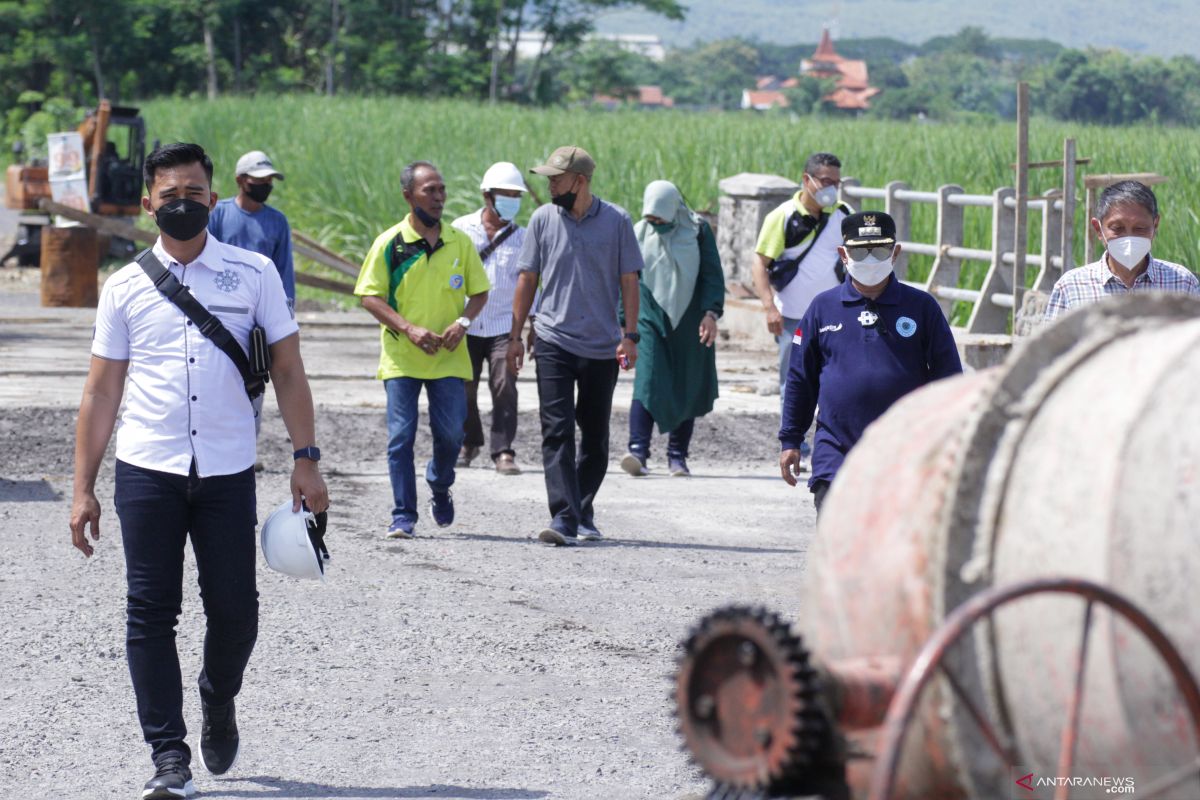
568 158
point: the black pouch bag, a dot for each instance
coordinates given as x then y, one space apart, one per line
798 226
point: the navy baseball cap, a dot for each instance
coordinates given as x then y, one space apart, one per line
868 229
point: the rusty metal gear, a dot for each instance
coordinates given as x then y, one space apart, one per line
745 697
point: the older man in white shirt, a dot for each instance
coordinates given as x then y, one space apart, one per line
498 238
185 458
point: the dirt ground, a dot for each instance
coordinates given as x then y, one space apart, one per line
472 662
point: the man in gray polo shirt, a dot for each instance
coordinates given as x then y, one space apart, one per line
585 253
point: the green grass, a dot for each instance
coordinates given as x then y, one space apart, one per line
343 156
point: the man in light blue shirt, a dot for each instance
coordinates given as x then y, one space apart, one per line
246 220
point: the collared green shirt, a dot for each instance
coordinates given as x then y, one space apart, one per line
427 286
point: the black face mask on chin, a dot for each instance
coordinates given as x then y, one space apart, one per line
182 219
427 219
259 192
565 201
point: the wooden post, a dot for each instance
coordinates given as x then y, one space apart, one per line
1089 244
1021 244
1068 209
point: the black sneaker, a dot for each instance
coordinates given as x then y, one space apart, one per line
678 468
552 535
219 738
441 508
172 779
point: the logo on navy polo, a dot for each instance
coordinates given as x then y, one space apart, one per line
868 318
831 328
906 327
456 281
228 281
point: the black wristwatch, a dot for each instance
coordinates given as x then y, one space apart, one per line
310 452
633 336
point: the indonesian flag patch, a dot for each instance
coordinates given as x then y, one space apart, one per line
797 337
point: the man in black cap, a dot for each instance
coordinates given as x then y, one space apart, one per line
859 348
584 253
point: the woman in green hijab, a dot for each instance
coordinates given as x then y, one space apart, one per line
682 296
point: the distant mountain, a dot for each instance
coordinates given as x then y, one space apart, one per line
1160 27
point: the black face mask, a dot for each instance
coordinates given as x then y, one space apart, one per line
182 219
427 219
565 201
259 192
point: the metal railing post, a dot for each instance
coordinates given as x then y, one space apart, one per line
901 212
987 316
945 268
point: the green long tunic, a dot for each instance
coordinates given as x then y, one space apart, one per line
676 376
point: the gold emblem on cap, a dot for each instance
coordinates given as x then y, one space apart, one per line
868 219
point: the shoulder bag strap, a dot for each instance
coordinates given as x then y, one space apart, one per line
193 309
491 246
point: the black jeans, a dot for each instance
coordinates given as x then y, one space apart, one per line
572 484
503 385
641 429
158 511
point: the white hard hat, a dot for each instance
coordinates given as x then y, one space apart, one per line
503 175
293 542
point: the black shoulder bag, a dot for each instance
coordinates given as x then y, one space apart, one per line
782 271
255 370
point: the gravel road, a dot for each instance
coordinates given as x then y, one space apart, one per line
472 662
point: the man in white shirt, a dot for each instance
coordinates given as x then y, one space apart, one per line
498 238
796 256
185 458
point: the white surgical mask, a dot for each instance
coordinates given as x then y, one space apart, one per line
826 196
1128 251
507 208
871 271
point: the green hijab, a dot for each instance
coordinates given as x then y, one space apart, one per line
672 256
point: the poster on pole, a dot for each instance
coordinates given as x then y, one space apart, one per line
68 173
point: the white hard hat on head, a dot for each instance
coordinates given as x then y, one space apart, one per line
293 542
503 175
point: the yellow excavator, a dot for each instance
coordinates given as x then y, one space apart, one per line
114 143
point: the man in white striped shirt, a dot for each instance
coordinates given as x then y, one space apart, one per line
498 239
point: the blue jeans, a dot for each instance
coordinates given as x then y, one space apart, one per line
641 429
158 513
447 413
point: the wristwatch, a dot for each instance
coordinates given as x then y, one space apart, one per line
633 336
311 453
465 322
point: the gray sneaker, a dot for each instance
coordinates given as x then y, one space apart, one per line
589 533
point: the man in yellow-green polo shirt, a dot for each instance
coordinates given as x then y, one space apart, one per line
425 284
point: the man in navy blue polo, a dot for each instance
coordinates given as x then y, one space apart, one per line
859 348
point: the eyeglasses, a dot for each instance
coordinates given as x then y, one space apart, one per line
880 252
826 182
